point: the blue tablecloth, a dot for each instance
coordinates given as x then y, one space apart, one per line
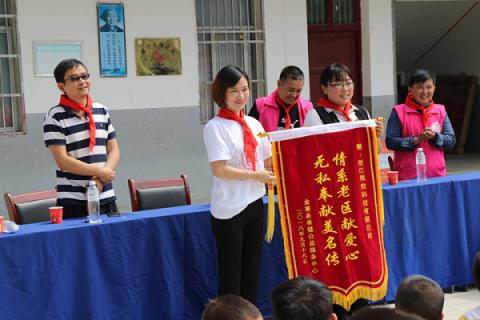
148 265
432 228
160 264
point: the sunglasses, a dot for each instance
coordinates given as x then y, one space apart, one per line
76 78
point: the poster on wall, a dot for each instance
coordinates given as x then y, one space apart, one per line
47 54
111 37
158 56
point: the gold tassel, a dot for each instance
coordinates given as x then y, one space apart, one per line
271 214
271 203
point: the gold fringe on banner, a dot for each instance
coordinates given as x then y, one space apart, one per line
271 214
346 301
271 202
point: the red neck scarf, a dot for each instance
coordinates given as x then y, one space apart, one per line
424 110
69 103
288 121
325 103
249 141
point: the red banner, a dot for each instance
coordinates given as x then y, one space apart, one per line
331 210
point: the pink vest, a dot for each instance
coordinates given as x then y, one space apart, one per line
269 112
411 124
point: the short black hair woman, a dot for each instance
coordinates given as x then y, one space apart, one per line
419 123
336 105
238 160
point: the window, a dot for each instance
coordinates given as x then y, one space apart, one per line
323 12
343 12
11 107
229 32
316 12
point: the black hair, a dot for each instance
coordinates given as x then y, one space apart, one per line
291 72
335 72
382 313
230 307
420 295
420 76
301 299
64 66
226 78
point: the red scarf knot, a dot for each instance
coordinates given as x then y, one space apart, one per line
69 103
424 110
288 121
325 103
249 141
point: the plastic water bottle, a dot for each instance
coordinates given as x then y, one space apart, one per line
421 163
93 200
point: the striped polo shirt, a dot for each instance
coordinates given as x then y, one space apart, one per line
63 126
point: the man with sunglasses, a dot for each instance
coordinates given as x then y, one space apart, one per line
82 141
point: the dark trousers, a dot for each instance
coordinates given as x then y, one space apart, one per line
73 211
239 245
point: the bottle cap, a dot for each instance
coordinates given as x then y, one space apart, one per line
92 183
420 149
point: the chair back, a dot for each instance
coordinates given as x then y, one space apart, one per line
163 193
30 207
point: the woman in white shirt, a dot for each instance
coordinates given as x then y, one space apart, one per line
238 160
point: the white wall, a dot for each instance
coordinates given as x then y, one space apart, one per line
56 20
286 39
377 48
59 20
457 52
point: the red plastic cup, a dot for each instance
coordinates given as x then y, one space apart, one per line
392 177
56 215
1 224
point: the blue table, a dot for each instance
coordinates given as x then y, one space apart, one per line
433 229
160 264
147 265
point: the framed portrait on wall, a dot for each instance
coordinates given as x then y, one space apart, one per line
158 56
111 38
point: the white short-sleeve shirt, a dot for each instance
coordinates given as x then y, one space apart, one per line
223 140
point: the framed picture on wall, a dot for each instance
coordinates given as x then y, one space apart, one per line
47 54
111 38
158 56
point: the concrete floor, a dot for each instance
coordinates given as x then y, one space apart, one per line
462 163
459 302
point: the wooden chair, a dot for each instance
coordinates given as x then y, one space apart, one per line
154 194
30 207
